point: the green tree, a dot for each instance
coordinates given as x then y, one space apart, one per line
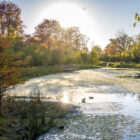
137 19
93 56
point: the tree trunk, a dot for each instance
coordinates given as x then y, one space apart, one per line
130 56
0 103
120 57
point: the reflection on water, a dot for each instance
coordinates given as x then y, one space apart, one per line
106 117
137 76
109 105
65 98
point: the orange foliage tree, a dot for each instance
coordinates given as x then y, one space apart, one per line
11 65
10 68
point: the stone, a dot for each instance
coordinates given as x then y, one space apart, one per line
91 98
20 131
83 100
61 127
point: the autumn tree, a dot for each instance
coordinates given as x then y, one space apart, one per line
61 43
111 49
122 41
10 21
75 38
11 66
11 63
48 29
52 30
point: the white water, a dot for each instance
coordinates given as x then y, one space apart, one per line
113 114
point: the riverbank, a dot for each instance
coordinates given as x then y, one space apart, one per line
122 65
24 119
32 72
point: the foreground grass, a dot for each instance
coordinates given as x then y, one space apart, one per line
29 119
39 71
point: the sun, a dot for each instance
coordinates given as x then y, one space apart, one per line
69 14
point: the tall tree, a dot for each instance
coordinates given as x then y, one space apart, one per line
122 40
11 63
111 49
98 50
11 66
93 56
10 21
48 29
75 38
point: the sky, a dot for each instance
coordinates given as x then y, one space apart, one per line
99 20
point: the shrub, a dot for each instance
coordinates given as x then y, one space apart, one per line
102 63
109 64
117 65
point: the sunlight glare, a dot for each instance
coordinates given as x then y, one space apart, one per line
71 15
65 98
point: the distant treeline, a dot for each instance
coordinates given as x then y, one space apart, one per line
52 44
123 48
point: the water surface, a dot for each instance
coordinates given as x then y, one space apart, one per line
109 103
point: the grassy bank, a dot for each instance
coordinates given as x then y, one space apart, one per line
42 70
122 65
46 70
27 120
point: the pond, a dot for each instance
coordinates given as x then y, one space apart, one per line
109 103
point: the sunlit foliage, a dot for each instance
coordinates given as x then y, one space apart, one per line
10 21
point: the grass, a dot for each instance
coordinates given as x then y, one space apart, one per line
28 119
40 71
88 66
122 65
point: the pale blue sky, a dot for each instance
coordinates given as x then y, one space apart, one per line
98 19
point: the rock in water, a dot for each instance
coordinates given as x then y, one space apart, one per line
83 100
20 131
91 98
61 127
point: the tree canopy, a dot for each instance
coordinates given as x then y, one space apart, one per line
10 21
